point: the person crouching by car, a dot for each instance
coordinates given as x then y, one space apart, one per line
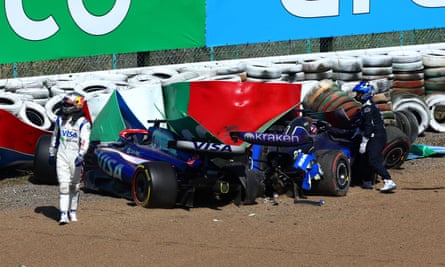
373 139
69 143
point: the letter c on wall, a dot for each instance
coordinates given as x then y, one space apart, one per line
312 8
25 27
98 25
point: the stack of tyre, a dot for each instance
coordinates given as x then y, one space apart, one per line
291 71
407 67
25 99
411 113
263 72
376 67
317 68
434 62
326 96
346 68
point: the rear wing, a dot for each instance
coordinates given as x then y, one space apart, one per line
271 139
209 147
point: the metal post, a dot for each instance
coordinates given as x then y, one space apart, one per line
114 61
308 46
14 70
212 54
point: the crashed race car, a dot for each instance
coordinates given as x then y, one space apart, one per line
294 161
156 169
307 156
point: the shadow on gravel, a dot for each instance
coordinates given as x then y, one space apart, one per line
424 188
48 211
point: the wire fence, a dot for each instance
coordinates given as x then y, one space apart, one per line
180 56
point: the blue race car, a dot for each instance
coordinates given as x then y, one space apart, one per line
294 161
307 155
156 169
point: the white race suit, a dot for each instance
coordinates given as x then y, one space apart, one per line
70 139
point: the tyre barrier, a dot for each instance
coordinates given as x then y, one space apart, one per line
347 64
408 69
227 77
52 107
162 73
239 67
436 106
326 96
203 71
180 77
404 72
376 60
293 77
376 67
11 85
10 102
143 79
389 118
91 86
263 71
34 114
62 87
315 91
415 104
289 67
317 68
118 78
434 58
434 62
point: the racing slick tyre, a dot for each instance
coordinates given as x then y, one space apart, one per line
336 176
397 147
155 185
253 185
44 173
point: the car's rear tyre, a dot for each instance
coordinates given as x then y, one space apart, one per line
336 176
44 173
397 147
155 185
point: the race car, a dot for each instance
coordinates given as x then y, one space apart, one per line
156 169
308 155
294 160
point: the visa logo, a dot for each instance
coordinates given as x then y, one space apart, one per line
69 133
110 166
212 147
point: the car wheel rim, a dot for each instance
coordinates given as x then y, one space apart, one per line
342 175
141 187
393 156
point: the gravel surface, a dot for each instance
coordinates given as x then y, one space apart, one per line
365 228
17 189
